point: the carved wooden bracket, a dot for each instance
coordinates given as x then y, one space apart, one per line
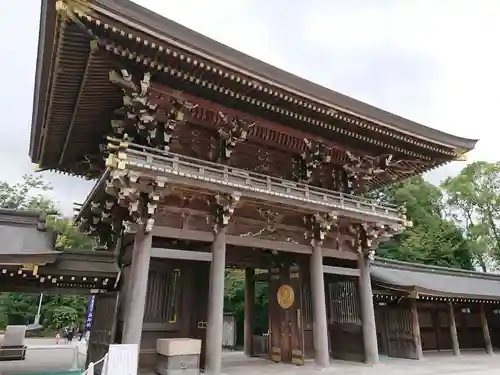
361 169
315 155
365 237
318 226
221 209
141 116
234 131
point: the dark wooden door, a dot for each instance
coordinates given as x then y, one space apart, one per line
344 318
285 315
200 273
103 328
399 331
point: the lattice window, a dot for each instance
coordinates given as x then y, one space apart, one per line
163 296
307 304
343 301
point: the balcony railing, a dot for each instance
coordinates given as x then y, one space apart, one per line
296 194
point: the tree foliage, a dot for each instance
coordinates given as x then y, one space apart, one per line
473 198
432 239
234 302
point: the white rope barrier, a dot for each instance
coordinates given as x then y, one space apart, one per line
90 369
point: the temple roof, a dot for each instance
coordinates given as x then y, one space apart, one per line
73 97
435 281
152 23
28 257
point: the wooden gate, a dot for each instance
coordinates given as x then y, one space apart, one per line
344 319
285 316
103 329
396 331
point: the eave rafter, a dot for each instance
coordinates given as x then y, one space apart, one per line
76 107
158 50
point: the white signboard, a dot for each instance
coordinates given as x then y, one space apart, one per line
123 359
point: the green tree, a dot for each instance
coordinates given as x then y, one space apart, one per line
27 195
31 195
234 302
473 198
432 239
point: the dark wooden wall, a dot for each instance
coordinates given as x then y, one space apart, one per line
396 336
494 324
469 329
395 330
434 326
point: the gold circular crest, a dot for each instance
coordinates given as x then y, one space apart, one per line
285 296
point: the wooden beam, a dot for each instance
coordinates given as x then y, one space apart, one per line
157 252
195 235
344 271
261 277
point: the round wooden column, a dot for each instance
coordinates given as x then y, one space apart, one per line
216 304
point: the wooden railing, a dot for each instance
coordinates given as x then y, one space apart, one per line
242 180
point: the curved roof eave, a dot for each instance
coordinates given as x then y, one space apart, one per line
436 281
142 19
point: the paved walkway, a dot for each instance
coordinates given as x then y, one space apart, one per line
44 356
470 363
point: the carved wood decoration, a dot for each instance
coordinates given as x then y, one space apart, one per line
318 226
234 131
141 118
128 201
364 237
269 230
221 209
361 170
314 156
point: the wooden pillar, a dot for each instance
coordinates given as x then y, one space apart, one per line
367 312
417 340
137 290
216 304
249 310
453 330
486 330
320 327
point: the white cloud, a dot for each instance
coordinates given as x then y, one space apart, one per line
457 40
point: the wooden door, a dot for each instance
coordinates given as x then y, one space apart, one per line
344 318
399 331
200 273
285 315
103 328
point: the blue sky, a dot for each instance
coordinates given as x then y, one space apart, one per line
435 62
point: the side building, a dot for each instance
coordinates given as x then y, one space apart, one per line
205 158
421 309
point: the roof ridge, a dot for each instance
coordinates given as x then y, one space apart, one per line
391 263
